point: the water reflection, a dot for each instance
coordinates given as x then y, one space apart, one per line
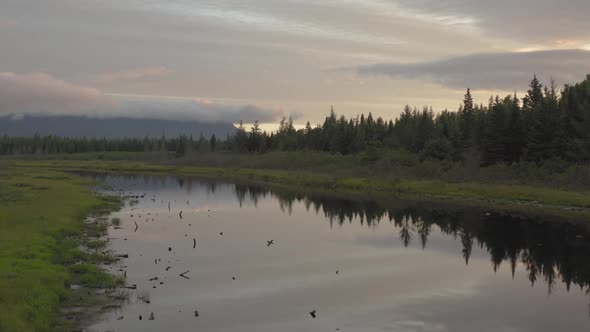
416 243
548 250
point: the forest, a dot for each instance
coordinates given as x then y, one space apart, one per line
546 123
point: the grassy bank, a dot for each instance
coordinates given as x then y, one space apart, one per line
523 198
42 252
391 164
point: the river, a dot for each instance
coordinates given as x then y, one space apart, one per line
356 264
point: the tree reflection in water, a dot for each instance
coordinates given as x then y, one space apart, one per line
548 250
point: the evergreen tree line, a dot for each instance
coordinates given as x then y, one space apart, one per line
55 145
544 124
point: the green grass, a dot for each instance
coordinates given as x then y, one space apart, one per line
41 219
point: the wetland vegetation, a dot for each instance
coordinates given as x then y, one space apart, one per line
50 226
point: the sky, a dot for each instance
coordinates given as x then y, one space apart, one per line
230 60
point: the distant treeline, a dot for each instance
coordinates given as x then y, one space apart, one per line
55 145
545 124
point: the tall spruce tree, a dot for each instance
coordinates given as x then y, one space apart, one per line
467 118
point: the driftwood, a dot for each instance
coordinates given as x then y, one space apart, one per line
122 256
194 243
183 274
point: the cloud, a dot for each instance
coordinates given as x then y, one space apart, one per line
42 94
39 92
252 17
493 71
133 74
525 21
194 108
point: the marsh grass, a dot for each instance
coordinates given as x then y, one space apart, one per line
43 231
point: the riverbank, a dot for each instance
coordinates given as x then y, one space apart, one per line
528 200
50 223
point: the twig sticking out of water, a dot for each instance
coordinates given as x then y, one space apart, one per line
313 313
144 296
194 243
183 274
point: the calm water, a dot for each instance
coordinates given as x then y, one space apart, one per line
402 267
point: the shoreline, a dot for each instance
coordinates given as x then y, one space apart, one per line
522 200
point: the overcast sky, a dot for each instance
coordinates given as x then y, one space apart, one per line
232 60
